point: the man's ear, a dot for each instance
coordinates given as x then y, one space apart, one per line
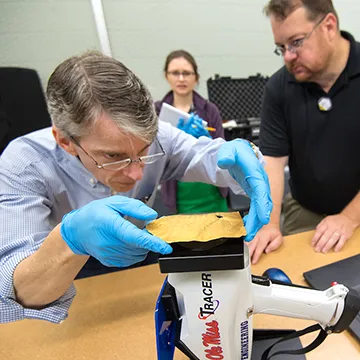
332 26
64 141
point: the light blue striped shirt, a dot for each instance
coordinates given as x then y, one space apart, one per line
40 182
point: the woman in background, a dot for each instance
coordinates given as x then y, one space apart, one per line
181 72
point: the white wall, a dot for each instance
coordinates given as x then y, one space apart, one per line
40 34
227 37
349 13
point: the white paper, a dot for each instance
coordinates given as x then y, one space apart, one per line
172 115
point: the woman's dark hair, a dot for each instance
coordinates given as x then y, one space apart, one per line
181 54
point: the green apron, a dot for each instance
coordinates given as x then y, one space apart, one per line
194 197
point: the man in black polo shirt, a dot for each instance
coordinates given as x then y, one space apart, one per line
311 121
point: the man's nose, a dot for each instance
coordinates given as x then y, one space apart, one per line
134 171
289 55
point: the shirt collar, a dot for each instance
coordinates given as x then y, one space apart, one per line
353 64
76 163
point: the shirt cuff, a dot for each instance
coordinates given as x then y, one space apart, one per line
10 310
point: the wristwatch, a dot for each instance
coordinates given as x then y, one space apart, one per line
254 147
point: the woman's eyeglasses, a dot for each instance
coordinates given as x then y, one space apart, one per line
184 74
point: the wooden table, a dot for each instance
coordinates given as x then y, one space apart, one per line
112 315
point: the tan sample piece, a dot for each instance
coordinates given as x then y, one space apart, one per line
198 227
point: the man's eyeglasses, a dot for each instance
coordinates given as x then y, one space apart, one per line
296 44
121 164
185 74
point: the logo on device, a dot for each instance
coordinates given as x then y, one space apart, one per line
212 341
209 304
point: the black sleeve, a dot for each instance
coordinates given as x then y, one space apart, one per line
274 138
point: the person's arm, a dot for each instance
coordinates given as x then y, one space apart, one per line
37 262
219 163
25 223
274 167
45 276
335 230
275 145
97 229
274 141
352 211
193 160
269 238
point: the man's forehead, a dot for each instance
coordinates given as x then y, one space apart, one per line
107 137
125 146
296 23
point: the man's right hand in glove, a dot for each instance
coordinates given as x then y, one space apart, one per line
100 230
97 229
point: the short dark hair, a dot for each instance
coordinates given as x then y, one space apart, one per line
181 54
315 8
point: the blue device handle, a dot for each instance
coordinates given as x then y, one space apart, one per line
165 330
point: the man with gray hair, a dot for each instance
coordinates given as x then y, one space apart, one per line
73 191
310 121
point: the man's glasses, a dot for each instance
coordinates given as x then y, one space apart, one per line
295 46
121 164
177 74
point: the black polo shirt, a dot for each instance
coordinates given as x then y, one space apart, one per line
323 146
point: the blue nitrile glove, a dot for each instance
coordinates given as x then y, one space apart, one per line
197 128
237 156
194 126
99 229
186 126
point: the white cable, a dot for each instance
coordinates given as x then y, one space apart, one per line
98 11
